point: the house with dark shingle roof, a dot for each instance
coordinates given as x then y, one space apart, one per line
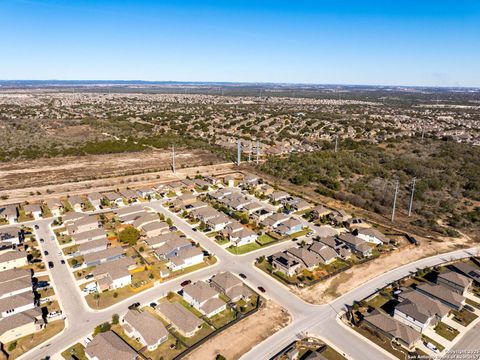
443 294
455 281
109 346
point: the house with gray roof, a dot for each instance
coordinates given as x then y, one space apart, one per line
443 294
109 346
455 281
89 236
93 246
231 286
99 257
204 298
286 263
179 318
145 328
310 259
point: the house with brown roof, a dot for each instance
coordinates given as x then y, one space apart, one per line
388 326
109 346
231 286
159 240
55 206
372 235
155 228
114 274
179 318
454 281
356 245
33 209
95 199
326 253
102 256
89 236
185 258
145 219
204 298
418 310
9 213
145 328
286 263
93 246
21 324
76 202
310 259
443 294
10 259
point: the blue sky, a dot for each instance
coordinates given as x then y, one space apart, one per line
408 42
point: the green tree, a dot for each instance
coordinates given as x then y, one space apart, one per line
115 319
130 236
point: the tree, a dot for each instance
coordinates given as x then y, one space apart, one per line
129 235
169 222
115 319
102 328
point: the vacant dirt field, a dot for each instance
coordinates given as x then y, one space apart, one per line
240 338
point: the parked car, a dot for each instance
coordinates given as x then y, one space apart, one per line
153 305
185 283
37 227
62 261
89 276
50 264
134 306
42 284
173 228
41 240
262 289
242 275
45 252
54 314
76 266
194 229
469 308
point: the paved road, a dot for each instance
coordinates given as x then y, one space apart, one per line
471 341
317 320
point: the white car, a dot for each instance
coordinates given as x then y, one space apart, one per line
54 314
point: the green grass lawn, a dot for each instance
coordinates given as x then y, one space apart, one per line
440 347
265 239
377 301
472 303
167 351
446 331
200 334
239 250
222 241
223 318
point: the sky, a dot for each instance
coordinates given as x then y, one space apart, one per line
404 42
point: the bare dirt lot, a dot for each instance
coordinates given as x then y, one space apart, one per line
240 338
40 179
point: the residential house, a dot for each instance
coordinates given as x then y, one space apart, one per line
371 235
468 270
109 346
89 236
103 256
339 217
276 196
218 223
93 246
393 329
310 259
95 198
454 281
114 198
11 259
129 210
326 253
231 286
146 193
33 209
76 202
185 258
129 195
289 227
356 245
9 213
253 207
286 264
55 206
204 298
145 219
171 248
301 205
145 328
222 193
419 311
339 246
179 318
243 237
443 294
260 215
320 211
21 324
83 224
15 286
73 216
10 237
15 304
275 220
114 274
229 181
155 228
159 240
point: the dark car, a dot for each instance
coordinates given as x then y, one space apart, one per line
89 276
76 266
243 276
37 227
194 229
62 261
41 240
173 228
469 308
50 264
261 289
134 306
153 305
186 282
42 284
45 252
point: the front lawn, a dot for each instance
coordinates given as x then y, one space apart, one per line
265 239
446 331
239 250
463 317
77 350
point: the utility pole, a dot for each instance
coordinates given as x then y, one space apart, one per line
173 158
336 143
239 152
258 152
250 152
395 200
423 133
411 197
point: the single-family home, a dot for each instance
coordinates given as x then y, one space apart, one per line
21 324
185 258
443 294
99 257
326 253
289 227
15 286
10 236
275 220
15 304
55 206
218 223
286 263
76 202
454 281
310 259
129 195
171 248
418 310
33 209
145 328
243 237
72 216
11 259
129 210
89 236
339 246
155 228
468 270
320 212
109 346
9 213
276 196
179 318
159 240
146 193
93 246
95 198
83 224
371 235
145 219
114 274
356 245
393 329
204 298
231 286
114 198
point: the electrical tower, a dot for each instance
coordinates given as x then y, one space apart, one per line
395 200
173 159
